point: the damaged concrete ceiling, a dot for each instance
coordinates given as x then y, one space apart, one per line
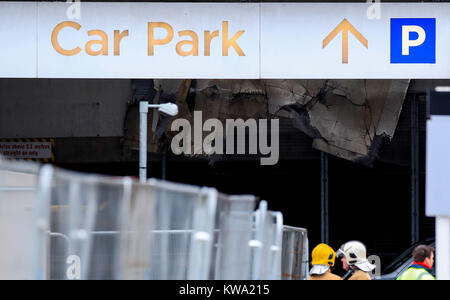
345 118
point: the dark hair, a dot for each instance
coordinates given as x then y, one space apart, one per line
421 252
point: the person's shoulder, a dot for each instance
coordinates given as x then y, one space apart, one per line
427 276
326 276
334 277
360 275
331 276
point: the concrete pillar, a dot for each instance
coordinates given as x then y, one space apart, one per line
443 248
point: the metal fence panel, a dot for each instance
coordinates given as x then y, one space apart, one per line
85 224
266 244
272 244
123 230
294 265
182 239
234 220
139 221
18 183
60 224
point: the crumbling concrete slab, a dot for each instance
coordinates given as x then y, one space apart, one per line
346 118
353 126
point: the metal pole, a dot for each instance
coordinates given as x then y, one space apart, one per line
443 247
163 165
414 170
324 196
143 112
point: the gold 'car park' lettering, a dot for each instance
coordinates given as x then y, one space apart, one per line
208 37
55 43
187 46
118 36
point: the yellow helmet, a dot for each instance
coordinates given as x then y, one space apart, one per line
323 254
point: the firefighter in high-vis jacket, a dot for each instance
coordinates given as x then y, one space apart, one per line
323 258
354 261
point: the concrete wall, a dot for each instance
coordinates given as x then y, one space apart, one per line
60 108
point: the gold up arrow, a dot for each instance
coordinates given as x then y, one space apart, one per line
345 27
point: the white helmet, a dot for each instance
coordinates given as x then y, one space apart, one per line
355 254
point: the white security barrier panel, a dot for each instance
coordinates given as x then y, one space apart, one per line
266 244
81 220
183 235
59 224
112 228
138 217
294 263
273 237
18 183
256 244
234 222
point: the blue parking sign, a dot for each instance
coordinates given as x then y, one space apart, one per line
413 41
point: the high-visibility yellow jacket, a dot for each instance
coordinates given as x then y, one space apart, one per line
416 272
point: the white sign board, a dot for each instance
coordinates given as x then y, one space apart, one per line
225 40
18 44
293 36
26 150
162 27
438 166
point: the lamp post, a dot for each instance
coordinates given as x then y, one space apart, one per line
170 109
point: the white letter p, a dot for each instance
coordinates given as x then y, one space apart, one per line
407 43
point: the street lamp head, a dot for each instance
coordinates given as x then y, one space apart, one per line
442 89
170 109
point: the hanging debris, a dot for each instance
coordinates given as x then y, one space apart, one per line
346 118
